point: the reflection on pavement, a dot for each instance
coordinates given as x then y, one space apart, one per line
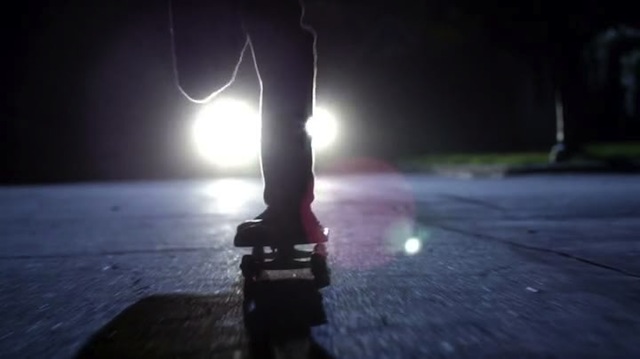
230 195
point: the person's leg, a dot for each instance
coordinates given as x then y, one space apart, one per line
285 55
207 39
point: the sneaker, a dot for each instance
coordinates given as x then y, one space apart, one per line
271 227
314 232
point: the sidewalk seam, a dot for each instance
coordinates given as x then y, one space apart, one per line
539 249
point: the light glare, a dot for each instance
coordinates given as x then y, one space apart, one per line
412 245
227 133
230 195
323 129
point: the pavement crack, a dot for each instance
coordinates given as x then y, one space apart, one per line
540 249
107 253
473 201
493 271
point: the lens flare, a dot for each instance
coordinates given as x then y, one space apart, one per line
412 245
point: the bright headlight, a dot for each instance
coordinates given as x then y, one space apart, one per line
323 129
227 133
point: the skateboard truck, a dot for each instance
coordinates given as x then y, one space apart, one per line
282 257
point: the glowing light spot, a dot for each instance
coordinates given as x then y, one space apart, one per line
231 195
323 129
412 245
226 133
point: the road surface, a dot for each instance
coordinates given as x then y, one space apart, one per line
517 267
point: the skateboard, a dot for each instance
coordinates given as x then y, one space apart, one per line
281 255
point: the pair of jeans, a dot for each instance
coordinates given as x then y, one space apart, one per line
209 40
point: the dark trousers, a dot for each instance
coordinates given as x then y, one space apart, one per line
209 36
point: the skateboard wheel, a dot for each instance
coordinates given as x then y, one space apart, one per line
322 281
320 270
249 267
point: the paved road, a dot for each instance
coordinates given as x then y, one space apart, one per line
521 267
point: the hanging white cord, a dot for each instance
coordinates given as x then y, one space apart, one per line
315 52
237 67
176 73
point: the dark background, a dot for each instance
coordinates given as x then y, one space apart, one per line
89 91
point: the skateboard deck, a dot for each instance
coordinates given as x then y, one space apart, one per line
282 255
256 236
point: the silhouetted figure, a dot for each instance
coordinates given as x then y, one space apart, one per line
209 37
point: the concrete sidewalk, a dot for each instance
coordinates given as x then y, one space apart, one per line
515 267
502 170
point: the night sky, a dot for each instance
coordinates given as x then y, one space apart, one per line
90 93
